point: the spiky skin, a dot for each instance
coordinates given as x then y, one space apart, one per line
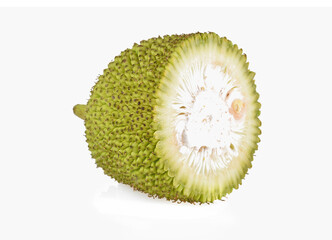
121 120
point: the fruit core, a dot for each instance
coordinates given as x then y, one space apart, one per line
211 118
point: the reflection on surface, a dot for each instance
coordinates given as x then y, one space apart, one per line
117 199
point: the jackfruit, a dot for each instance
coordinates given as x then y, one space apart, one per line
175 117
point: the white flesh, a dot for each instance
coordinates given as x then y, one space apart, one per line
207 131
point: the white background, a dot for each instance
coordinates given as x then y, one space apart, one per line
50 187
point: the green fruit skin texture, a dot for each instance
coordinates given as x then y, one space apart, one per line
120 123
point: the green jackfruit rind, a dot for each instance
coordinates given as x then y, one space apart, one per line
207 188
119 119
121 123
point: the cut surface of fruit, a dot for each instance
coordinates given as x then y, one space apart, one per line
204 122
